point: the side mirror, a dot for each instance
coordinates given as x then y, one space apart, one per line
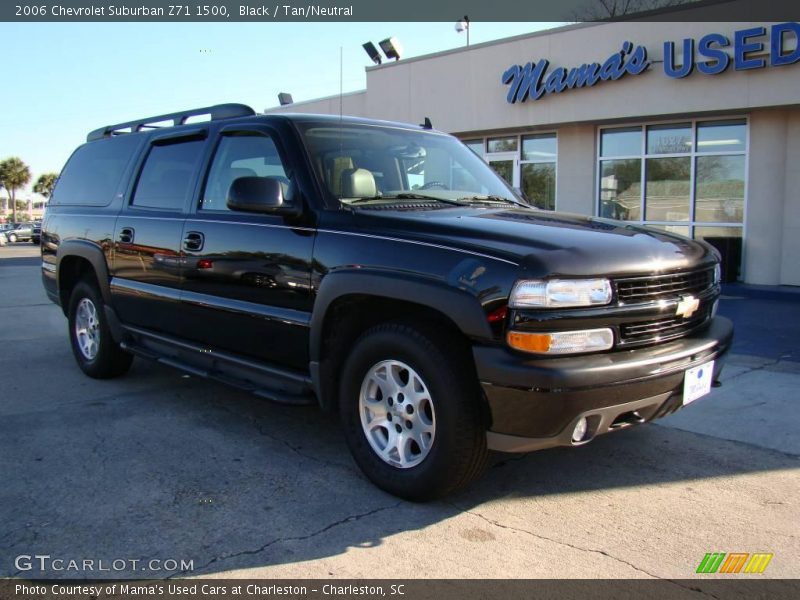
263 195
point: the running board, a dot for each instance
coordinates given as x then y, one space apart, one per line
278 385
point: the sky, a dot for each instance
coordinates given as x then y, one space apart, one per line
66 79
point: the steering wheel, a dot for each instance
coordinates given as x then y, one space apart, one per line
433 185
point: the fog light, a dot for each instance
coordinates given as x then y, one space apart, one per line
580 430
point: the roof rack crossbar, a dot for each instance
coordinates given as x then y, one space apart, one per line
217 112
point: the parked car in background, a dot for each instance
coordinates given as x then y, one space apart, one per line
21 232
4 228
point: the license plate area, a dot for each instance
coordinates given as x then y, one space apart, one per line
697 382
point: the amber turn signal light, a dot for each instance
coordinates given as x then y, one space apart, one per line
529 342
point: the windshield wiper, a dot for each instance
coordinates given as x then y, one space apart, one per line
408 196
491 199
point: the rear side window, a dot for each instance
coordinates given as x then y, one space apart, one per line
93 173
168 175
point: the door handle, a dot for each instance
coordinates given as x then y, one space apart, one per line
126 235
193 241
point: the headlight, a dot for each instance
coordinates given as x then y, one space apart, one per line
562 342
560 293
717 273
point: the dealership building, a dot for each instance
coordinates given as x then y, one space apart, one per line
687 127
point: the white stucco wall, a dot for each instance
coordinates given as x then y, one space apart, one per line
790 238
766 195
575 172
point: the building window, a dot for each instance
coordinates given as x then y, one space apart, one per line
621 141
476 146
528 163
685 177
667 189
621 189
538 169
503 144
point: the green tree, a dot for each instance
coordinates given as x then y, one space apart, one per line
14 174
44 185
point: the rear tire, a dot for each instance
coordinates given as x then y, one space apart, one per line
95 350
12 238
412 418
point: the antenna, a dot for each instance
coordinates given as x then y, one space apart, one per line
341 99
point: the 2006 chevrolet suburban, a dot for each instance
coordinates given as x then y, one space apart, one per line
382 270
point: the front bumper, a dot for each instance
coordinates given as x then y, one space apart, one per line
536 402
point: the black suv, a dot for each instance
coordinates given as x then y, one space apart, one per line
383 271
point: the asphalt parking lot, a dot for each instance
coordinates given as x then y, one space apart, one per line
159 465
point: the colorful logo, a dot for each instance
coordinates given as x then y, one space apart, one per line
734 562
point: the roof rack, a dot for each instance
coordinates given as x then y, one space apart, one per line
220 111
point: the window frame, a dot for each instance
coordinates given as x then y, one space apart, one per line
121 187
554 162
165 139
693 154
229 131
517 154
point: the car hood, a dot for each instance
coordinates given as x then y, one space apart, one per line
544 243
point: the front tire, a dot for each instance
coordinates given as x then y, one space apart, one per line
95 350
12 238
412 418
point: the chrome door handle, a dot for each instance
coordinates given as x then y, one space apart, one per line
193 241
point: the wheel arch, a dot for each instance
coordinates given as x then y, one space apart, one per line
77 259
349 303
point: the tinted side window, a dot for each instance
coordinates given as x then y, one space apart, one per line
167 175
241 156
93 173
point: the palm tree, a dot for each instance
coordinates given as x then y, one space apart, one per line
45 183
14 174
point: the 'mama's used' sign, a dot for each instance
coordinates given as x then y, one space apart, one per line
709 55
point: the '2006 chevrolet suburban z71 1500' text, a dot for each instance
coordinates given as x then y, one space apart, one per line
384 271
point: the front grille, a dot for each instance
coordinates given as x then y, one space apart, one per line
641 290
658 287
662 329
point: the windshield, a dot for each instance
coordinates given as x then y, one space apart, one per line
361 163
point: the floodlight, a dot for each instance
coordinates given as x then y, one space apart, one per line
285 98
373 52
391 48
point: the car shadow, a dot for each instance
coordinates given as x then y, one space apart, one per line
159 465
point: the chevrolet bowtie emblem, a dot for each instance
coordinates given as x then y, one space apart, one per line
687 306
